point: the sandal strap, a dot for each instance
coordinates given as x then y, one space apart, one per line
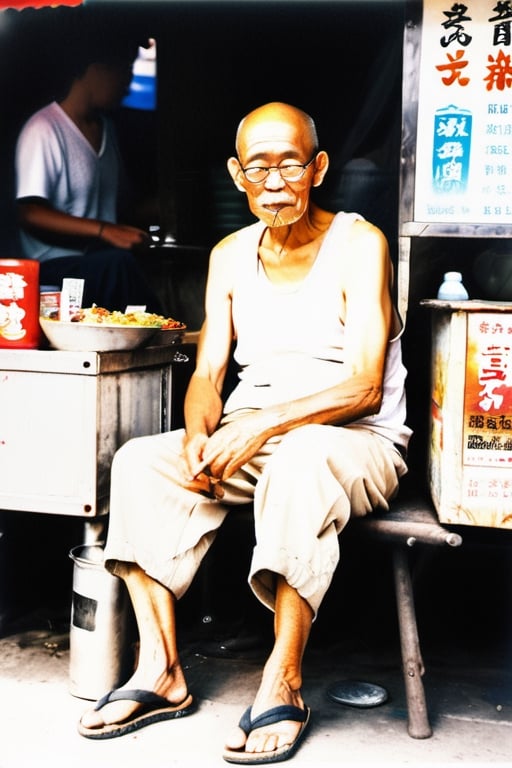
271 716
136 694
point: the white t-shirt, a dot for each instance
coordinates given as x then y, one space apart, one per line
55 161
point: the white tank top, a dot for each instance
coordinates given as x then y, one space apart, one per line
290 340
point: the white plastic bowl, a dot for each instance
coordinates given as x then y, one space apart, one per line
81 337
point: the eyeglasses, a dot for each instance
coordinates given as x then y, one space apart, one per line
295 172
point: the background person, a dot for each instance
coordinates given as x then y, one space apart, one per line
69 180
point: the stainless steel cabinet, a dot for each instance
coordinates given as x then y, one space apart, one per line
64 414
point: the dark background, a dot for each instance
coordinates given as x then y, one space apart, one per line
342 63
339 61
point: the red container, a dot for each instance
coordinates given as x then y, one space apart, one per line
19 304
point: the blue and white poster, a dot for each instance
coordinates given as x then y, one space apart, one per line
464 135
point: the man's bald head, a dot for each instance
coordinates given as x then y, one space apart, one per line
277 137
278 112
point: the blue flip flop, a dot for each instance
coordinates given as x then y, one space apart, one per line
271 716
153 709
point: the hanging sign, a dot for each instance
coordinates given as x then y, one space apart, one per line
464 133
19 4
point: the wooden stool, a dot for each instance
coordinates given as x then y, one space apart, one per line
407 523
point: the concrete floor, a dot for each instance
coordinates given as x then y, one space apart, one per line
464 605
469 698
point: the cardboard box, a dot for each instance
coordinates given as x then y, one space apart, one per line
470 467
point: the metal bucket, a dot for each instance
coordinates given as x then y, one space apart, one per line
101 633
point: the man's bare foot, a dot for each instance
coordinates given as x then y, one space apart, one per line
279 732
120 711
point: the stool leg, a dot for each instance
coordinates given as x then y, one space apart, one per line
418 724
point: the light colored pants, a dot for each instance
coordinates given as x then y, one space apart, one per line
304 484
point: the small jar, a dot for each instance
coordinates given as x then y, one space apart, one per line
452 289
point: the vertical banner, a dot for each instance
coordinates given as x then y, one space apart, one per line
464 133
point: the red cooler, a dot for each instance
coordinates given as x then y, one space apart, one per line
19 304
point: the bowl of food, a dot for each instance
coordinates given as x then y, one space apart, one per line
97 330
165 336
80 337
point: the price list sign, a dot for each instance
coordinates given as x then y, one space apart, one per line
464 134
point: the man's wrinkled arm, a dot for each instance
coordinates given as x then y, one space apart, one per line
368 326
203 402
368 313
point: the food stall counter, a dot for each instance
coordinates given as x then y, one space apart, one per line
64 414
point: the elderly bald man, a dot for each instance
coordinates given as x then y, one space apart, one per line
313 433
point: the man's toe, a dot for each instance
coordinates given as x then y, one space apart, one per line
236 739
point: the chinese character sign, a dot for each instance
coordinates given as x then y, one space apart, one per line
452 149
19 304
464 135
488 391
11 313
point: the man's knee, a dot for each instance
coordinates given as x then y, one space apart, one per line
137 454
306 446
129 451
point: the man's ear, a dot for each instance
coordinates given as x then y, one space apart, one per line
321 166
236 173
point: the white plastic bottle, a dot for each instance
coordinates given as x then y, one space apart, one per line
452 289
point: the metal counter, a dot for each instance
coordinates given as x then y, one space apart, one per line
64 414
